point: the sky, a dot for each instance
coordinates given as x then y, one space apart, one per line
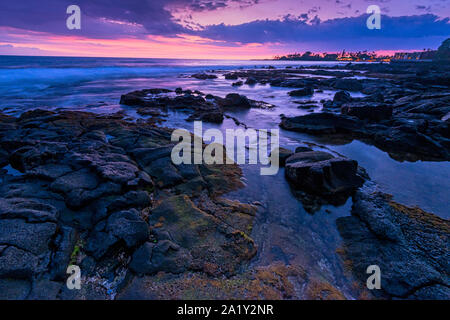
218 29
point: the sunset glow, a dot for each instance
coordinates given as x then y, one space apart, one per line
242 29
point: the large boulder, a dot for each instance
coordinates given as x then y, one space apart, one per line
308 91
234 100
17 264
321 123
323 174
214 116
204 76
251 81
139 97
342 97
231 76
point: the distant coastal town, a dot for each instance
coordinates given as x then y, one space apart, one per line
442 53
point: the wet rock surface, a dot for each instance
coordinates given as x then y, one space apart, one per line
102 193
318 177
322 173
199 106
401 113
308 91
408 244
204 76
404 139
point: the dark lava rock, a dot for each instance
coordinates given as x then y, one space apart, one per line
199 235
149 103
31 237
138 97
14 289
234 100
308 91
404 139
204 76
374 113
128 226
237 84
321 123
123 226
251 81
18 264
408 244
141 261
213 117
209 109
82 179
162 256
231 76
321 173
342 97
87 187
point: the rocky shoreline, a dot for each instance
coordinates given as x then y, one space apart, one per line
83 195
405 110
408 244
101 192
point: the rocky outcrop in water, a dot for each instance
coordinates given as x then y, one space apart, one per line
207 108
405 110
308 91
323 174
403 137
204 76
408 244
318 177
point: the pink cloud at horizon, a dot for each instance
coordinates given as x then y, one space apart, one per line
183 46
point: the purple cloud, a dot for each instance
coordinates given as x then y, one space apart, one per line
341 31
139 18
106 18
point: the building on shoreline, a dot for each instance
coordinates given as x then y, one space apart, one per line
360 56
426 55
441 54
